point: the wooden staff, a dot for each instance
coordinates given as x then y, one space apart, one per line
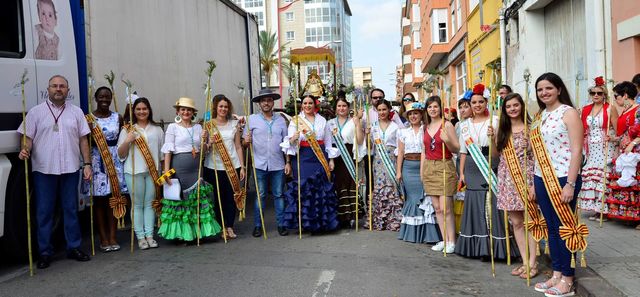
355 141
128 84
23 81
93 244
295 111
444 172
366 104
489 199
253 162
110 77
207 108
527 251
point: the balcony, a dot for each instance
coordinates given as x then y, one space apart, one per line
434 55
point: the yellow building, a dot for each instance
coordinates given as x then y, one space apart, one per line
483 48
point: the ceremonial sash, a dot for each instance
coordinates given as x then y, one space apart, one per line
537 225
573 233
151 165
381 150
117 202
310 135
477 156
239 193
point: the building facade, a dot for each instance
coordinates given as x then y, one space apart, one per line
301 23
362 76
625 49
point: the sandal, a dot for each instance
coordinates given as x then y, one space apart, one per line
143 244
544 286
533 272
231 234
105 248
518 270
638 227
555 292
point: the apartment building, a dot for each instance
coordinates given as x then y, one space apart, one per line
362 76
302 23
625 50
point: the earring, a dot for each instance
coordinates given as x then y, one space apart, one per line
193 118
178 119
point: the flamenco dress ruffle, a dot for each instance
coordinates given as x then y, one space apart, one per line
179 219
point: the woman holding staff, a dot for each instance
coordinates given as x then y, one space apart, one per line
386 200
224 166
344 130
108 174
319 202
418 223
512 144
147 138
433 166
557 139
596 123
474 241
179 219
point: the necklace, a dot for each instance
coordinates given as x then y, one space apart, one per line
478 131
191 131
56 128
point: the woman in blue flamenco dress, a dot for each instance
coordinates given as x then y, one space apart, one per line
318 198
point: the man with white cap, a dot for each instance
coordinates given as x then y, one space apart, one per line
267 129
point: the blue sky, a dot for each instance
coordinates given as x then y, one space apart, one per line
375 39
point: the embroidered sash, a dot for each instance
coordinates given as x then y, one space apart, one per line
537 225
239 193
153 168
310 135
573 233
381 150
477 156
117 202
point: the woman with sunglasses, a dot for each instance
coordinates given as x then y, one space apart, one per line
407 101
436 163
620 203
596 123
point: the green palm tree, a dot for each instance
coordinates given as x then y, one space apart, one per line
269 53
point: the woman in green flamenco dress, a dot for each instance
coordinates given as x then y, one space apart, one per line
179 219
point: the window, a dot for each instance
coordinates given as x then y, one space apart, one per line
319 34
290 35
259 18
439 26
253 3
12 32
417 68
458 14
454 25
317 15
461 78
289 16
415 10
416 40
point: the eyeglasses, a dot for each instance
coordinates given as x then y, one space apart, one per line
377 97
58 86
596 93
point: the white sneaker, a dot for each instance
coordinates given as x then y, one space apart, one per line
438 247
451 247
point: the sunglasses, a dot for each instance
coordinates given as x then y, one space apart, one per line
596 93
432 146
377 97
408 99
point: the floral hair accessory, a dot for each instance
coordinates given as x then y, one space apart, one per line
481 90
599 81
417 105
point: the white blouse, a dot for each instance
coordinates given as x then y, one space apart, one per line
321 129
178 139
228 133
413 142
477 132
154 137
388 136
348 133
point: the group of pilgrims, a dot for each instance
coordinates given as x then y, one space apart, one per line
521 178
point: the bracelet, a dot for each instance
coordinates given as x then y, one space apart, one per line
85 164
571 184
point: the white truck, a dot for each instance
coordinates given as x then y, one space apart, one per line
160 46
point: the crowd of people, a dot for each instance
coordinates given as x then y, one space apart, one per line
396 171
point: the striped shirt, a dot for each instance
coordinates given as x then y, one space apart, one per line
55 152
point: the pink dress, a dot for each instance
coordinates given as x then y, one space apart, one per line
508 196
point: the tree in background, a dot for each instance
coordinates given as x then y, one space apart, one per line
269 54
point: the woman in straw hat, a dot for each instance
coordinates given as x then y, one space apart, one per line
181 152
418 223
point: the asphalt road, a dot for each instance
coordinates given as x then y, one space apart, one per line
346 263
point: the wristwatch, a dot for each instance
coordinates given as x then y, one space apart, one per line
571 184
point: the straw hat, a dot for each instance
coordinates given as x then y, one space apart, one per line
415 106
185 102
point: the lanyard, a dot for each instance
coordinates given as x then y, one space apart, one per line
56 118
341 126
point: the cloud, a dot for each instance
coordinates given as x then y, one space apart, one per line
376 19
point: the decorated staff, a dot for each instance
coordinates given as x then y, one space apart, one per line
23 81
110 77
91 83
129 85
209 72
557 180
368 126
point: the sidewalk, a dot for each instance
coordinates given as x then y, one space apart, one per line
613 260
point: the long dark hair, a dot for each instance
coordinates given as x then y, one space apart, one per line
557 82
504 128
430 100
145 101
340 99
